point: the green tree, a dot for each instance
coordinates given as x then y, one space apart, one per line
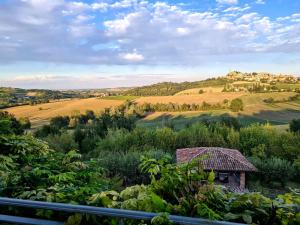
9 124
236 105
60 122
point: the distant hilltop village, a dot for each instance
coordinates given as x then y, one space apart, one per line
261 77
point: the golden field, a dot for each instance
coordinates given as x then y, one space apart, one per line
195 91
42 113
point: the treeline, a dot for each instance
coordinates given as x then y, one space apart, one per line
291 98
174 107
235 105
170 88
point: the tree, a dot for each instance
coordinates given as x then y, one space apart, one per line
25 122
9 124
236 105
60 121
295 125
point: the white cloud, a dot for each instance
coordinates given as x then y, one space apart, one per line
237 9
133 57
260 2
229 2
101 6
296 15
104 32
183 31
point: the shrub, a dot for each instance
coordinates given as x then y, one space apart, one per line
274 169
269 100
64 142
60 122
126 165
236 105
295 125
46 130
10 125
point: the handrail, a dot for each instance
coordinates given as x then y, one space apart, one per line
110 212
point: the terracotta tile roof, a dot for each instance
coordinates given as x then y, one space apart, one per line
214 158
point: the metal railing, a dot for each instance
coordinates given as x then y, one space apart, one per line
98 211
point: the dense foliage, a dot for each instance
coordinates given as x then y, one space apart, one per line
121 166
187 190
112 137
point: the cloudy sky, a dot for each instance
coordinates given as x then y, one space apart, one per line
109 43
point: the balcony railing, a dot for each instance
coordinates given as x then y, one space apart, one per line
98 211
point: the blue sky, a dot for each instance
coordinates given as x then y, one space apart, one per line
112 43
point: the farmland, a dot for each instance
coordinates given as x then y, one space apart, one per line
42 113
255 110
195 91
212 98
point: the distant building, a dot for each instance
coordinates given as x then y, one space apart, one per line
229 165
260 77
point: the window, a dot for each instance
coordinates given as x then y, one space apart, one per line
223 177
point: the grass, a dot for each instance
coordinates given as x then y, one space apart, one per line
287 86
42 113
186 118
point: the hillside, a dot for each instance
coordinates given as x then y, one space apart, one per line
42 113
233 81
191 99
170 88
256 110
16 96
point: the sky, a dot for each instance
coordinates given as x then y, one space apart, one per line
67 44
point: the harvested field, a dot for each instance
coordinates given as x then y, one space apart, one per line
42 113
195 91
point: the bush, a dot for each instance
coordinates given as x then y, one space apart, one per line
46 130
269 100
126 165
60 122
274 170
64 142
236 105
295 125
10 125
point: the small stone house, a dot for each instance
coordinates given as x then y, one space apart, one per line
229 165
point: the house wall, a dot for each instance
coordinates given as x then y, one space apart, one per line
232 181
